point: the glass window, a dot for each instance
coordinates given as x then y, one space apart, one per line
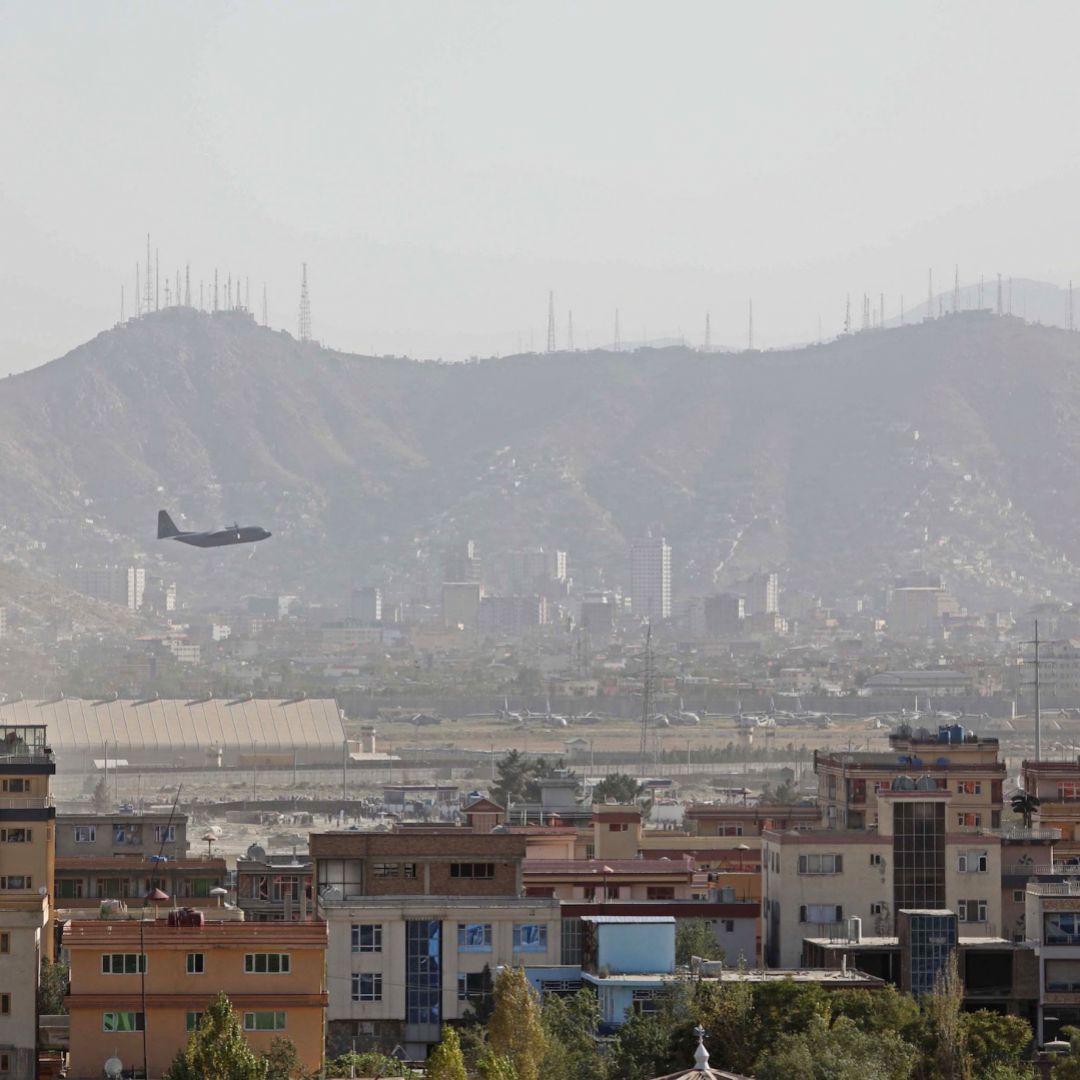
16 836
165 834
367 937
821 913
530 937
196 962
193 1020
122 1021
15 881
387 869
919 855
474 937
471 986
85 834
472 870
264 1021
367 986
821 864
5 942
262 963
122 963
69 888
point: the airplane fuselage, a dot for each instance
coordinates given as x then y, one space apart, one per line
248 534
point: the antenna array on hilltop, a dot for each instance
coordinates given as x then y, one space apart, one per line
305 308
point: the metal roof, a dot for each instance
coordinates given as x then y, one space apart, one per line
168 724
605 920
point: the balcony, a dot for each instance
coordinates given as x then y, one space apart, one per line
26 802
1018 832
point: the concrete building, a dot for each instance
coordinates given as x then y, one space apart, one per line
365 605
461 604
763 594
27 844
414 917
1056 784
1053 925
274 888
510 616
724 615
84 881
916 859
738 819
138 988
918 610
1059 671
966 767
123 585
462 563
650 578
122 834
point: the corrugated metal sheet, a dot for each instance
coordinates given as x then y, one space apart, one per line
165 725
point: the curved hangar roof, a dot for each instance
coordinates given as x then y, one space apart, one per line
165 724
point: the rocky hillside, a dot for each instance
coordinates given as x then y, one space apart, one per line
952 445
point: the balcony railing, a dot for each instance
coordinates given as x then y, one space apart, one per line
1018 832
26 802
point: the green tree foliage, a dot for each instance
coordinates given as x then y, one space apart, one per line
282 1060
994 1039
839 1051
570 1049
1068 1068
695 937
101 796
782 795
640 1049
52 987
942 1036
447 1061
877 1010
618 787
1025 805
217 1049
515 1031
368 1063
492 1066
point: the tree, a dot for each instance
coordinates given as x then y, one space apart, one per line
1025 805
569 1025
52 986
514 772
447 1061
101 796
282 1060
837 1052
618 787
515 1031
217 1049
994 1039
1068 1068
640 1049
877 1010
783 794
694 937
944 1046
369 1063
492 1066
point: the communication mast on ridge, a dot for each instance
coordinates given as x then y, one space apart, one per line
187 285
305 308
551 322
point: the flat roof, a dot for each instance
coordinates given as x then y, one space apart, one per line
603 920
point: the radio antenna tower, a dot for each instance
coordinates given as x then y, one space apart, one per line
847 315
618 338
901 309
551 322
215 289
247 293
980 292
881 315
138 294
646 699
187 285
999 307
228 292
121 305
570 331
305 308
148 304
750 334
708 333
266 320
1010 294
176 295
865 312
202 298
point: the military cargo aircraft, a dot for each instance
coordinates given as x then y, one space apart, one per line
236 534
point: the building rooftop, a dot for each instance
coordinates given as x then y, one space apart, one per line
101 933
649 920
682 865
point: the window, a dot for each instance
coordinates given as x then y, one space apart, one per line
821 913
367 986
876 859
969 821
472 870
5 942
122 1021
728 926
264 1021
165 834
367 937
530 937
196 964
15 786
1068 792
470 986
5 1063
116 888
69 888
646 1002
193 1020
474 937
5 1004
877 908
122 963
16 836
729 830
821 864
387 869
408 870
972 911
15 881
85 834
617 826
1018 896
660 892
266 963
972 862
969 787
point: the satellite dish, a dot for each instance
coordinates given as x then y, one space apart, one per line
43 890
113 1068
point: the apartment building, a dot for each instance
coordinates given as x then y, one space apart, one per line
1056 784
1053 925
966 767
739 819
274 888
138 988
84 881
815 882
122 834
418 919
27 837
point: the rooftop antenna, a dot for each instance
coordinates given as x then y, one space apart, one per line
1038 705
750 334
305 308
708 333
646 699
266 318
847 315
551 322
187 285
569 331
618 339
138 294
956 289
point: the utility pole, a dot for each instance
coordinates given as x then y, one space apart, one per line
1038 703
551 322
187 285
646 701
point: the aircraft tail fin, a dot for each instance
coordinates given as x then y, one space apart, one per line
165 526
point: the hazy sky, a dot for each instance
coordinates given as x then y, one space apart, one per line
441 165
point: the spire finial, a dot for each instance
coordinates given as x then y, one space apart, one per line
701 1055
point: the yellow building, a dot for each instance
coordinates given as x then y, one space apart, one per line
27 824
139 987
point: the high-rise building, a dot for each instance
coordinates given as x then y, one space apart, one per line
462 562
917 610
366 605
650 578
763 594
724 615
124 585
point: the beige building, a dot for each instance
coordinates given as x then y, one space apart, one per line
27 822
1053 924
817 882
